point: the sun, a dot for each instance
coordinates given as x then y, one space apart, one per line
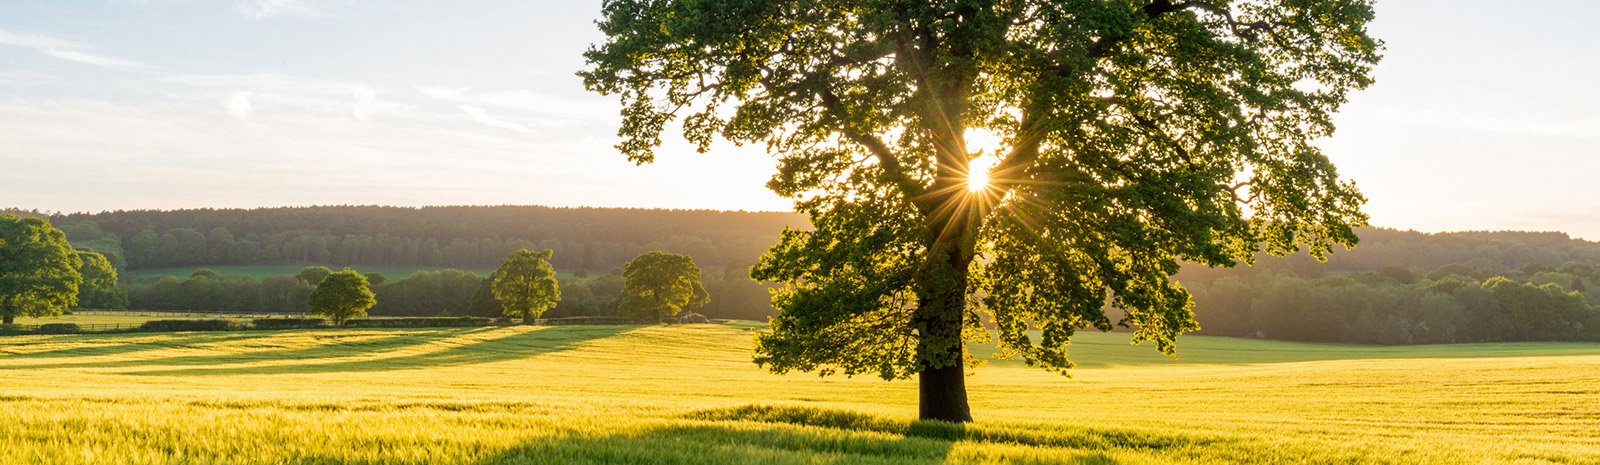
978 173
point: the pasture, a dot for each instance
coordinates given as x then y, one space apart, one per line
689 395
260 272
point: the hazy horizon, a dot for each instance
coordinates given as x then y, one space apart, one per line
170 104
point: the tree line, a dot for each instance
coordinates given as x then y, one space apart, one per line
448 292
1476 301
444 237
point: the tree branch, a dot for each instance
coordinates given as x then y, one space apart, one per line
886 159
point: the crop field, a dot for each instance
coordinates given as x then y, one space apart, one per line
689 395
126 318
267 271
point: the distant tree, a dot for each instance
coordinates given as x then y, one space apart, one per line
145 249
205 273
313 275
282 293
375 278
1129 137
1577 285
526 284
38 269
659 285
341 296
1402 274
581 273
483 302
99 288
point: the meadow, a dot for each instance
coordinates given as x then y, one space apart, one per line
689 395
260 272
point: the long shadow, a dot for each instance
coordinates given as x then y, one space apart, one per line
514 346
1074 438
117 344
348 346
833 437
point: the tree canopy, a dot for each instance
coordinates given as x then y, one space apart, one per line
341 296
99 288
1126 135
526 284
38 269
659 285
312 275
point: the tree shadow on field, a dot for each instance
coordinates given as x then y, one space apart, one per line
119 344
328 345
483 345
799 435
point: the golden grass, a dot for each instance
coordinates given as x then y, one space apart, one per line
688 394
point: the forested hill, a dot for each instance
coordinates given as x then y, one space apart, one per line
1396 287
602 238
462 236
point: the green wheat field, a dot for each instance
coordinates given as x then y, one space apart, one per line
689 395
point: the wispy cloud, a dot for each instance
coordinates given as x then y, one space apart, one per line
263 9
482 116
595 109
295 94
239 105
65 50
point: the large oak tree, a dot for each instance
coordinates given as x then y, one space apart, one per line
1130 136
38 269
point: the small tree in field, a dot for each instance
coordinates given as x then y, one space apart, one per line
660 284
526 285
342 296
38 269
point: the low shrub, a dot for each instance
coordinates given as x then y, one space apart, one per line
12 329
59 328
287 323
421 322
589 320
186 325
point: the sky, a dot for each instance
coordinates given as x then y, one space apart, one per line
1484 115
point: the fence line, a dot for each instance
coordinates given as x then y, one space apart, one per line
204 314
84 326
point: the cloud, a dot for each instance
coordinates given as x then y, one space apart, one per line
90 58
482 116
590 109
366 99
263 9
239 105
286 94
65 50
24 77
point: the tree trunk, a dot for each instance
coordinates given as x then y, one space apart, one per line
527 317
943 394
940 348
9 318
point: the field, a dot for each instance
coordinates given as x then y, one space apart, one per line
267 271
688 395
109 318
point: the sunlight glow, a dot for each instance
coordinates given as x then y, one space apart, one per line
978 178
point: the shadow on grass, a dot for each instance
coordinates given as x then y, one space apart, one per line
330 345
119 344
371 343
1074 438
494 349
796 435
